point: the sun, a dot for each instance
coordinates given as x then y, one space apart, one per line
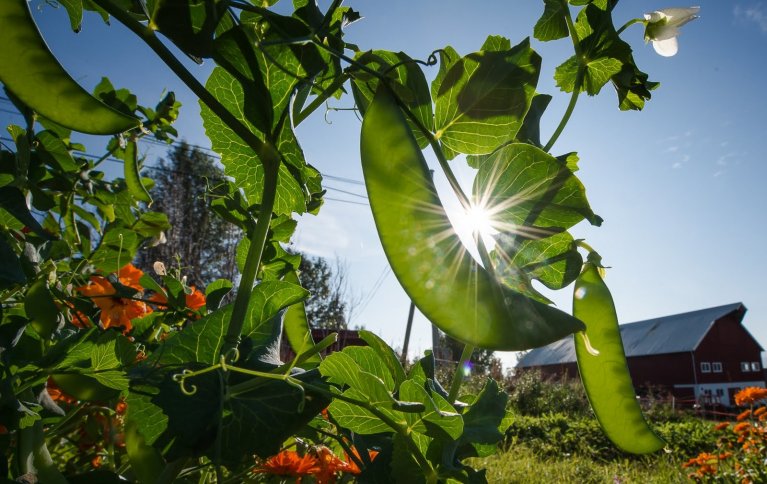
472 221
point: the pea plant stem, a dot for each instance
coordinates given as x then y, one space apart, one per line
265 151
578 79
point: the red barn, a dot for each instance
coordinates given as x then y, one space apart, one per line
705 355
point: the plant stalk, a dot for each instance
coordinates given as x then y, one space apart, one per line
578 78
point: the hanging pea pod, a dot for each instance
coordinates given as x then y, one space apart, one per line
31 72
454 292
132 173
603 368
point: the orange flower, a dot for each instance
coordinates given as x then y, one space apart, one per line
115 311
743 415
741 427
57 395
721 426
351 464
759 411
329 465
129 275
288 463
193 301
750 395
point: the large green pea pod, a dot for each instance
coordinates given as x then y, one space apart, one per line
603 368
31 72
446 284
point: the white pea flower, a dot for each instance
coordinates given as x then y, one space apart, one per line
662 28
159 268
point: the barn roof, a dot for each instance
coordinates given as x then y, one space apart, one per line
670 334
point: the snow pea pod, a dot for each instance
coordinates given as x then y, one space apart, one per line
603 367
446 284
31 72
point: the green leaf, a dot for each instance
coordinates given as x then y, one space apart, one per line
74 9
55 151
145 461
484 416
215 292
599 72
386 354
483 98
530 132
202 340
239 159
439 414
260 421
297 330
190 25
11 272
151 224
544 192
554 261
553 24
603 369
116 248
13 202
406 79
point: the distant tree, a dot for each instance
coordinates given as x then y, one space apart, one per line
203 244
330 304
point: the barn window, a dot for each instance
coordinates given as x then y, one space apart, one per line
705 367
755 366
745 366
717 366
719 392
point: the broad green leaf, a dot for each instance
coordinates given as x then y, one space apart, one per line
496 43
260 421
408 82
11 271
116 248
146 462
239 159
554 261
483 98
190 25
12 202
484 416
386 354
151 224
606 56
552 24
444 281
603 368
369 361
296 327
202 340
526 189
434 417
530 132
55 151
215 292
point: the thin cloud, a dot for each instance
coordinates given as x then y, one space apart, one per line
755 14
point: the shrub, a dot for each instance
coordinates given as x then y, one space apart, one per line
532 394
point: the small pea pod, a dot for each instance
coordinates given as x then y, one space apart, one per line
454 292
603 368
31 72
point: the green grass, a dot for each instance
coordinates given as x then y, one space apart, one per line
521 465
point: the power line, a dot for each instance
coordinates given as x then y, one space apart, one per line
344 191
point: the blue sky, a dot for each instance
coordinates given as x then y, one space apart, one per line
680 184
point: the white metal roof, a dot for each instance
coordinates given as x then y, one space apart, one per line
670 334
